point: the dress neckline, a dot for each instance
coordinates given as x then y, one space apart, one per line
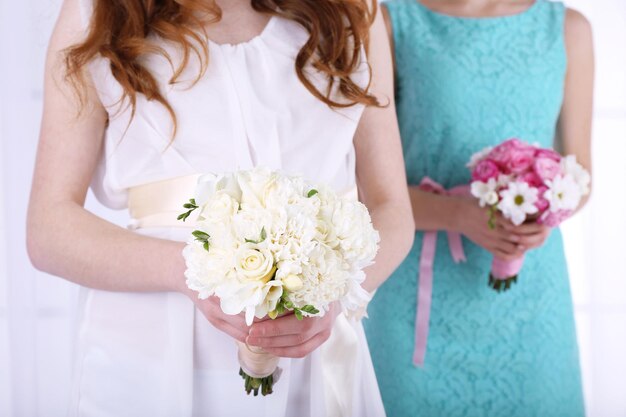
255 39
529 10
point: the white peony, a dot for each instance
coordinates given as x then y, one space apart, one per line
563 193
518 201
485 192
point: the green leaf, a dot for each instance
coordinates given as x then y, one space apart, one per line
200 235
263 234
289 304
182 217
310 309
298 314
312 193
206 246
193 201
280 308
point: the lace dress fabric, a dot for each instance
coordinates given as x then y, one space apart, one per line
463 84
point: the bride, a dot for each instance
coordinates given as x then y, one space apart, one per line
142 93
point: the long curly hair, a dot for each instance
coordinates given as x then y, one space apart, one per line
119 31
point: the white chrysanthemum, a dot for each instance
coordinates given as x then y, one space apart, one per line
293 240
580 175
563 193
478 156
324 280
518 201
206 271
250 222
352 226
485 192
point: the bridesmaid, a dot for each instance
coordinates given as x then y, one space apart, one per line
471 73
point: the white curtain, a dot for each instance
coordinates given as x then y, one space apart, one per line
36 309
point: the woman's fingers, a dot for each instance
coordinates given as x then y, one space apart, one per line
535 240
300 351
282 326
234 332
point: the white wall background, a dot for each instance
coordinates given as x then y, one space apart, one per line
35 362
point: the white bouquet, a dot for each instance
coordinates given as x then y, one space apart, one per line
267 244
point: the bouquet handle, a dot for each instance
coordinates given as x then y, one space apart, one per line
259 368
504 272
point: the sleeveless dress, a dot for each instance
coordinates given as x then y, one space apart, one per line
463 84
154 354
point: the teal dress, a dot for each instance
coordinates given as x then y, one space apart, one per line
463 84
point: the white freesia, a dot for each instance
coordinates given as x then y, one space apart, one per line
563 193
518 201
485 192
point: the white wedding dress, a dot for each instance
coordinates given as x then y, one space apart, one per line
153 354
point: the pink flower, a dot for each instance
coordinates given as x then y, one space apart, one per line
520 160
546 168
485 170
542 204
547 153
532 179
509 149
554 218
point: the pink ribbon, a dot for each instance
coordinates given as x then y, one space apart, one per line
427 258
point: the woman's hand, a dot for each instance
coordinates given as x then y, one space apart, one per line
506 241
288 337
503 242
233 325
531 235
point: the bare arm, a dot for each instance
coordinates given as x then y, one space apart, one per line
63 238
380 166
574 130
66 240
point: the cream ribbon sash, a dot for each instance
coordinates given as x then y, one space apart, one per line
158 204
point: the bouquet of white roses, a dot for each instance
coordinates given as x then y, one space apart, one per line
266 243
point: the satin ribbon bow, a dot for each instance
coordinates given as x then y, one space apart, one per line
427 258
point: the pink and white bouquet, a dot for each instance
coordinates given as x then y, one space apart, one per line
268 244
525 183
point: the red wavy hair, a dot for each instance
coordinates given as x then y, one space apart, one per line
119 30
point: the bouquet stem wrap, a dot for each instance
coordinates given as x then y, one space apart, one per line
427 258
504 273
259 368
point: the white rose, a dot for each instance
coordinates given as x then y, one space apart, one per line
254 262
252 183
221 207
209 184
